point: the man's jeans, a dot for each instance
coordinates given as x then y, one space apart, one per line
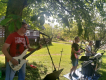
10 73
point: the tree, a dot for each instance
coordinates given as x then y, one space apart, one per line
48 30
77 9
35 12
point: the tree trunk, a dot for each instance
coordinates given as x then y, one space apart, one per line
14 7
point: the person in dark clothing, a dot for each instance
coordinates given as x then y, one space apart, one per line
75 51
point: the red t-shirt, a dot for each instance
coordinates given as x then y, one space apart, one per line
17 44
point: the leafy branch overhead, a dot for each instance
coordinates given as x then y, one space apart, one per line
67 12
12 21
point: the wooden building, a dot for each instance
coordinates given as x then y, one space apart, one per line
34 36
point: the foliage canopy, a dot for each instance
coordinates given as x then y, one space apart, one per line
84 12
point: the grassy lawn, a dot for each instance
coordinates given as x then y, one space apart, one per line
42 58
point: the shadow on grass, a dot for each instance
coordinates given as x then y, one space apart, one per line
102 71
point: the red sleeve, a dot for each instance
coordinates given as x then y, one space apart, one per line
9 39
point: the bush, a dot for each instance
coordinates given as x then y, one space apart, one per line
34 73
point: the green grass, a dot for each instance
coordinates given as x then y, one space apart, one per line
55 51
42 57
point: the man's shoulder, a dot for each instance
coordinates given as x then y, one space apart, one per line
25 36
11 34
14 33
88 46
75 45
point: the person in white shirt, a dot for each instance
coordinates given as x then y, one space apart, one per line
89 49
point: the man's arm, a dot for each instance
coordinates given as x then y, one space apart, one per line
73 50
7 55
5 52
88 50
31 49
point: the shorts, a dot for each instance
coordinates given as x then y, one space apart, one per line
74 62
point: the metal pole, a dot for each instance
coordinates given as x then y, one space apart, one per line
49 54
60 58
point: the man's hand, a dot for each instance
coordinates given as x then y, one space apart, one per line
81 51
14 61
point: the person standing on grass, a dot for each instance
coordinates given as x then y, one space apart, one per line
74 50
16 42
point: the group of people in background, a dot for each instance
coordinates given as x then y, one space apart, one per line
75 52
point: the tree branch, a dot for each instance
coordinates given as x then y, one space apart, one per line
63 7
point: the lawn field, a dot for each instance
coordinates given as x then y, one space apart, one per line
42 57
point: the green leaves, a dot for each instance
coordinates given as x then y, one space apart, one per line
80 30
42 20
18 23
12 21
76 10
11 27
42 9
85 33
5 21
39 1
65 21
34 18
60 16
104 19
46 13
14 17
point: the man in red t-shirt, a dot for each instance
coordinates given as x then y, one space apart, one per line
16 42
